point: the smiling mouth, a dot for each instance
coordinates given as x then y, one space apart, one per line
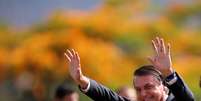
151 98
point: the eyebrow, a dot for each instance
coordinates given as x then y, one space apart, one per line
148 84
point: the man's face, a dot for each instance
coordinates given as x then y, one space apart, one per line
71 97
149 88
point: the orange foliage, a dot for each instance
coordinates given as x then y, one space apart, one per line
97 36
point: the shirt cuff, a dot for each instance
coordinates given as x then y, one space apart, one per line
86 89
171 79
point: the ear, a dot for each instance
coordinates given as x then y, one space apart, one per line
166 89
133 81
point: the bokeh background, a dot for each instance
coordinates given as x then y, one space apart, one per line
113 38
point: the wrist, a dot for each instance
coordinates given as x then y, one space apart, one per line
83 82
171 79
168 72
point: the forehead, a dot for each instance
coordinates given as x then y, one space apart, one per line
145 79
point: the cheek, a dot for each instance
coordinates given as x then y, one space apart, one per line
139 98
152 95
157 93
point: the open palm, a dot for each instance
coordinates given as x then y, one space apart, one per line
75 68
74 64
162 59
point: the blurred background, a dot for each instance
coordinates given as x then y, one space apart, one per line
113 38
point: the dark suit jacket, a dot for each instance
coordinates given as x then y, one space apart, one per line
178 92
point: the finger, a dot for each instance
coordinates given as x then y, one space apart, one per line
163 50
68 58
151 59
69 54
77 56
159 46
168 49
73 52
80 71
155 47
158 42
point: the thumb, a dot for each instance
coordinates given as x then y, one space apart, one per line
79 73
151 59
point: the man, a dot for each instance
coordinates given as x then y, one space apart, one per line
149 81
66 94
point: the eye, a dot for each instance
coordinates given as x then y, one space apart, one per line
148 87
138 89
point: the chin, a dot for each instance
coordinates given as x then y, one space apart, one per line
152 98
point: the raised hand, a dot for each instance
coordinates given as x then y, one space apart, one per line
75 68
162 59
